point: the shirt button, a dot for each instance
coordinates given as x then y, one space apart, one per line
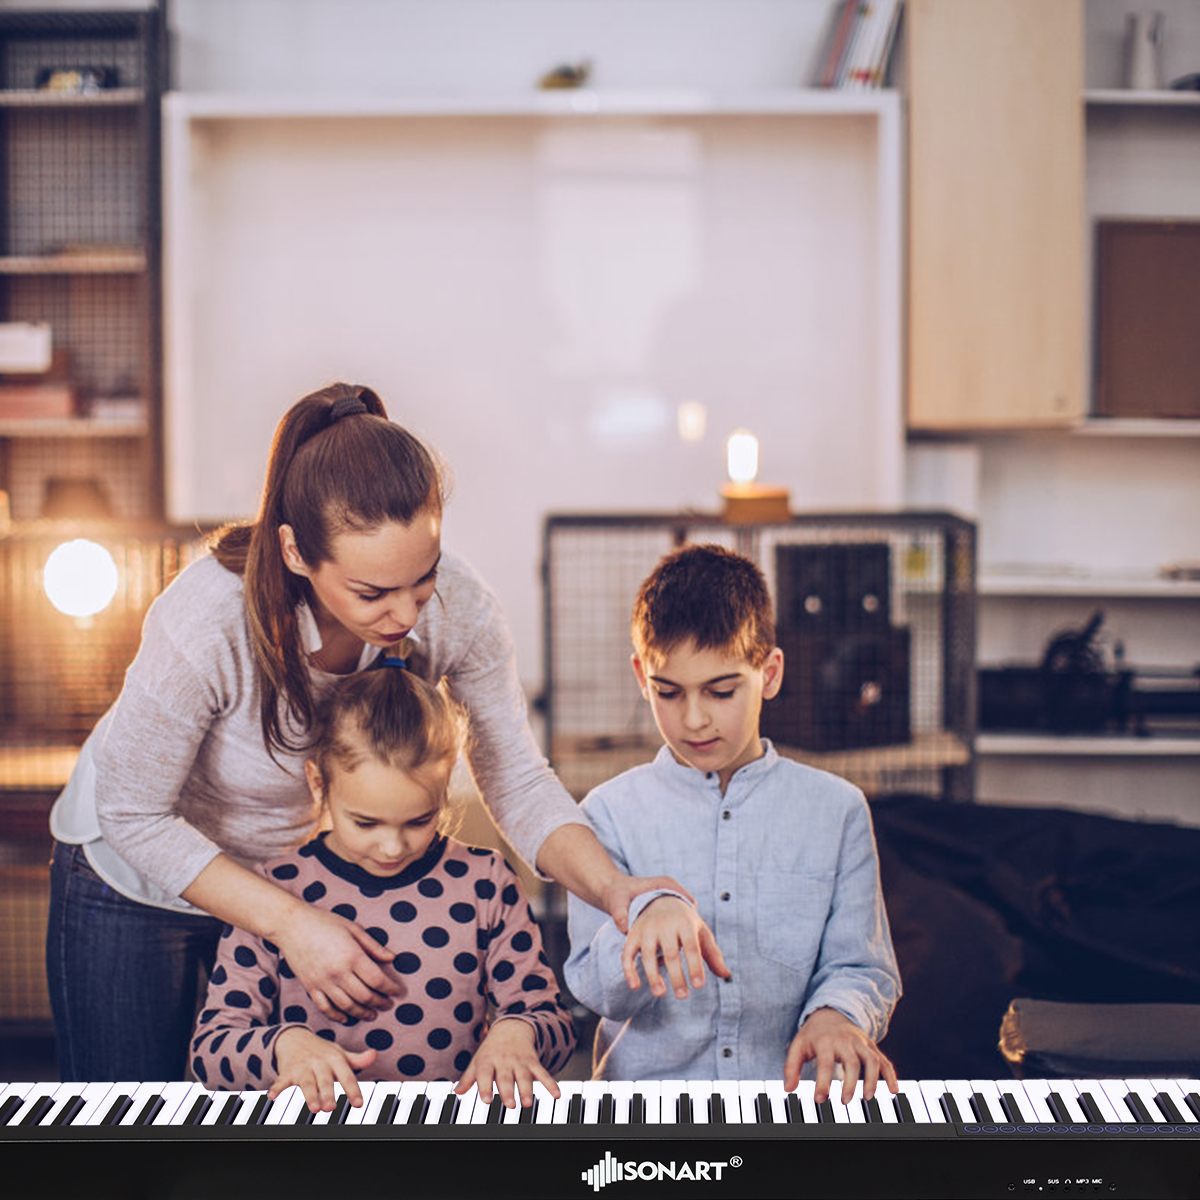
724 895
726 815
727 1053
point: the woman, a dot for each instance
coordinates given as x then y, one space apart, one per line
197 769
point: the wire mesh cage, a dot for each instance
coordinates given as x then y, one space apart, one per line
875 614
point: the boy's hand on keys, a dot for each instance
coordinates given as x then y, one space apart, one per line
507 1058
832 1038
316 1065
671 932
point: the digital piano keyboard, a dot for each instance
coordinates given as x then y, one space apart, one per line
1135 1138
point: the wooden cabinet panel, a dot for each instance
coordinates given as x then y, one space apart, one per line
996 230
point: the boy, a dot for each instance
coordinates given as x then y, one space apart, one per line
780 858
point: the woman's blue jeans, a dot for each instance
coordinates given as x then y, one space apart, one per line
125 979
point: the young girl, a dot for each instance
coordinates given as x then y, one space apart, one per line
458 932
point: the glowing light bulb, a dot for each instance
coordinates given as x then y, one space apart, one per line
80 578
741 456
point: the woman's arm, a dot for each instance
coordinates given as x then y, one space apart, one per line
337 961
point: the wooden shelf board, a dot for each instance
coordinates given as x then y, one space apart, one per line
1023 745
43 98
1131 98
36 768
1016 584
74 427
115 262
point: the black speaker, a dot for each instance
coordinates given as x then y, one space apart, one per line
835 588
841 691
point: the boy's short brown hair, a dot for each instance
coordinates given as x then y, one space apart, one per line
709 594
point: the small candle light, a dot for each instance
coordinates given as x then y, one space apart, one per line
746 501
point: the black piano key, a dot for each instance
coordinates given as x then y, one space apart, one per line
262 1106
1012 1110
230 1107
637 1109
1193 1102
1055 1104
825 1112
120 1106
1169 1110
34 1116
150 1110
950 1108
979 1106
1134 1101
9 1107
762 1106
387 1110
683 1109
874 1116
608 1109
1090 1108
305 1116
340 1109
69 1111
791 1105
449 1109
575 1110
495 1111
528 1113
418 1112
716 1109
904 1109
198 1110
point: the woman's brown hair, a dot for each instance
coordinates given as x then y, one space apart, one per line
336 464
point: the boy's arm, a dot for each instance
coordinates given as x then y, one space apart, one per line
856 971
595 970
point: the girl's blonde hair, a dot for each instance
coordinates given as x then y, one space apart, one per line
389 714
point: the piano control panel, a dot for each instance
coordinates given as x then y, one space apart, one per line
1133 1138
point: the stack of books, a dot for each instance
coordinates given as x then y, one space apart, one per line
858 47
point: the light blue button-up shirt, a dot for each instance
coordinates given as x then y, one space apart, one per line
784 871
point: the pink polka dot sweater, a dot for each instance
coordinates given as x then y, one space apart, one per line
464 939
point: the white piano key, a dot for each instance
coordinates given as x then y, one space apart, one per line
1035 1092
993 1110
411 1095
1171 1089
1189 1087
886 1101
93 1096
961 1091
748 1092
1116 1090
140 1098
545 1102
38 1093
355 1114
670 1091
471 1108
250 1103
847 1114
14 1091
777 1096
323 1117
1099 1098
731 1099
562 1106
806 1093
174 1094
180 1112
1064 1089
910 1089
651 1092
621 1091
1144 1090
931 1097
383 1092
436 1091
593 1092
220 1100
700 1091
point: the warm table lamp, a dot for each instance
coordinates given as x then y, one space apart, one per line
747 502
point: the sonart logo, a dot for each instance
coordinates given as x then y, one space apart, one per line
613 1170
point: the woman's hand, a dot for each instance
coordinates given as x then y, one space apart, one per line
315 1065
668 932
507 1061
338 962
832 1038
